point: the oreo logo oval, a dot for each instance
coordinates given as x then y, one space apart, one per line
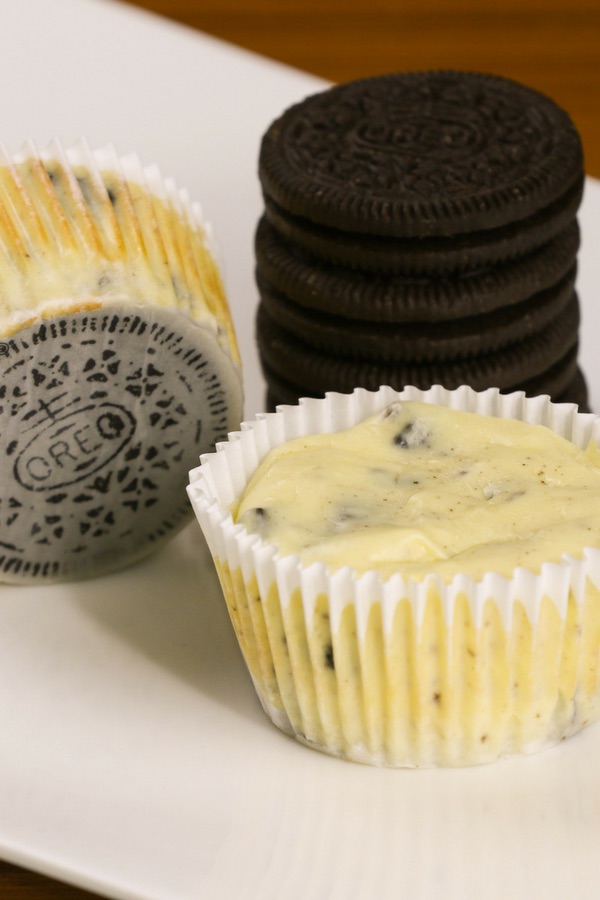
74 446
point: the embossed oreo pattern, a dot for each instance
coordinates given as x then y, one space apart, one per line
417 154
102 414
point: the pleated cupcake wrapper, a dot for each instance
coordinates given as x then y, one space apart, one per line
402 672
137 236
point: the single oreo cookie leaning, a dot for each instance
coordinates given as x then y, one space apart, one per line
285 356
316 285
421 154
102 414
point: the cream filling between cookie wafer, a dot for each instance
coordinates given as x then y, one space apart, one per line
74 234
421 488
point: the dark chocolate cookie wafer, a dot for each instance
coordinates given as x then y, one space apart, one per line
280 392
290 358
576 392
431 255
314 284
418 341
421 154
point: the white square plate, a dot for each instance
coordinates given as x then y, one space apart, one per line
134 757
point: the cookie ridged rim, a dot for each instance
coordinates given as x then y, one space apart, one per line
564 382
426 256
418 341
345 205
518 363
279 392
316 285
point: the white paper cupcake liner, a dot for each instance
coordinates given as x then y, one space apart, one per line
109 229
403 672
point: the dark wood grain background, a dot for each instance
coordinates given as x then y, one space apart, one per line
551 45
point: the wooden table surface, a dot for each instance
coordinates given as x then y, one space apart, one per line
552 45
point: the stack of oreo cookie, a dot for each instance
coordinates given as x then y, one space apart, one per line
420 228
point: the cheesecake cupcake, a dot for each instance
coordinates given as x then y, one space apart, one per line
413 576
118 360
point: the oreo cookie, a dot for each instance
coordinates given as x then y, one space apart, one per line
513 366
421 154
441 255
320 287
420 341
576 392
280 392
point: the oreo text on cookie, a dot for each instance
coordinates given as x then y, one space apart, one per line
74 447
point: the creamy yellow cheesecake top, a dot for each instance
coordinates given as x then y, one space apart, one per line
422 488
